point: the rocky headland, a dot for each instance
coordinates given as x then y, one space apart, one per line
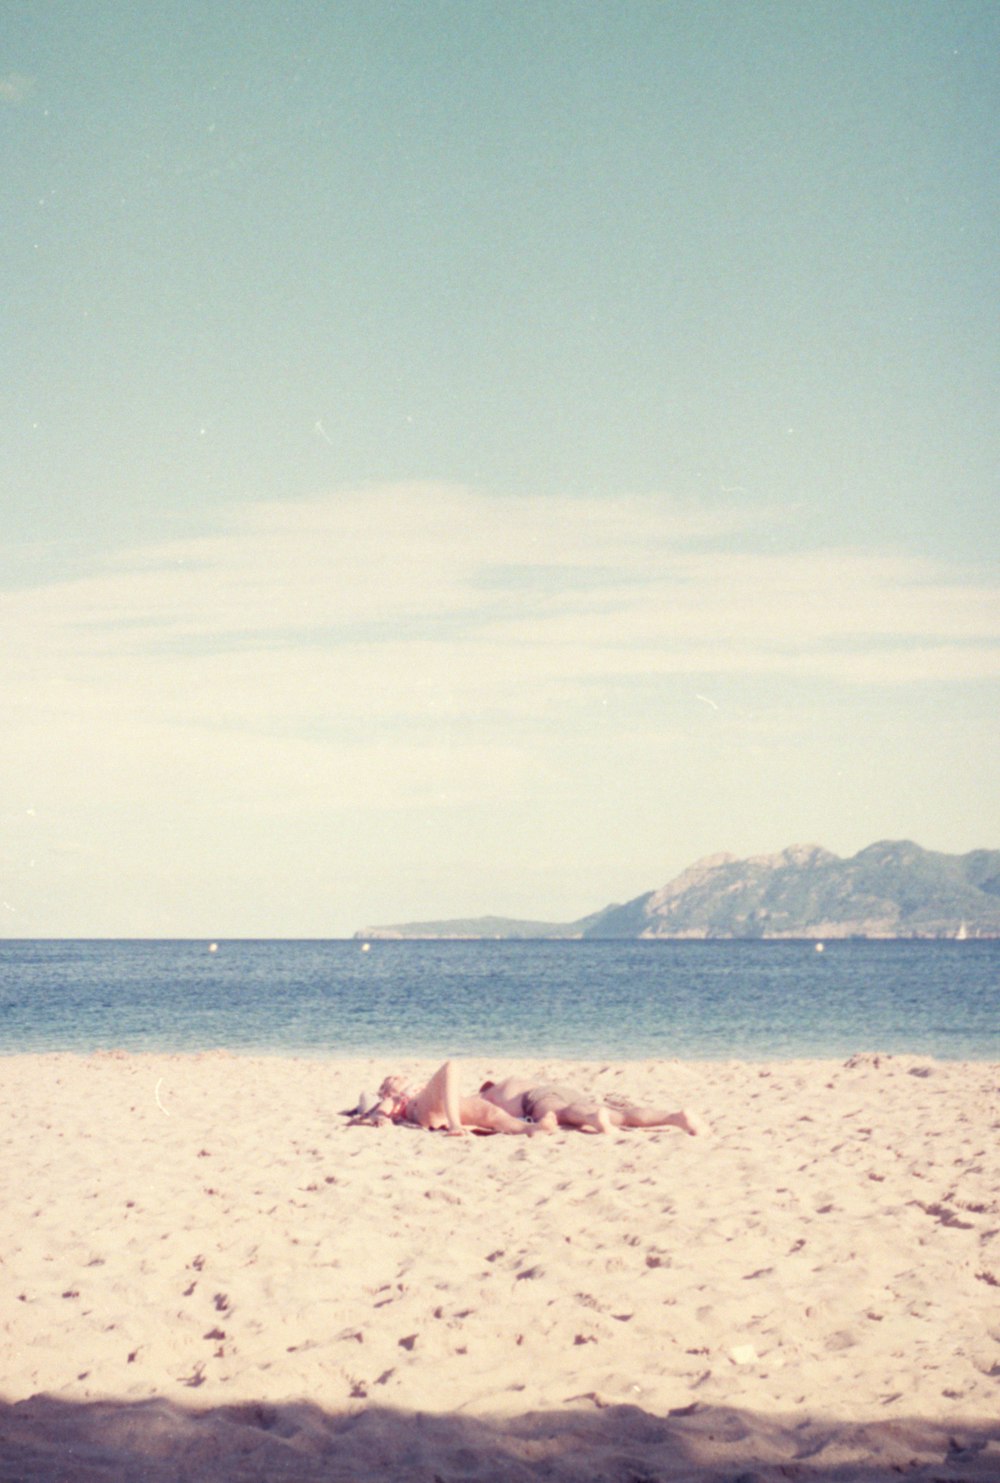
890 889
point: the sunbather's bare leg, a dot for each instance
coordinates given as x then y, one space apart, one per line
596 1117
438 1104
478 1113
584 1115
652 1117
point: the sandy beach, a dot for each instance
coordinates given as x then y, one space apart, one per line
205 1273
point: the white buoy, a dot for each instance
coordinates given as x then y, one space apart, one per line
819 947
366 947
213 947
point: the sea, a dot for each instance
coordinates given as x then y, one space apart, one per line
627 1000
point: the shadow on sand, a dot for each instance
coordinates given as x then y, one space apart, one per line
46 1440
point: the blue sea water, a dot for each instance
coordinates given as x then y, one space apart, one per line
586 1000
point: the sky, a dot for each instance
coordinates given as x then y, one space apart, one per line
466 457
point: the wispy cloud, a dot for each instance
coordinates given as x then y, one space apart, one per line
422 601
15 87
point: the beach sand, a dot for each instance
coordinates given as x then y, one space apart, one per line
206 1274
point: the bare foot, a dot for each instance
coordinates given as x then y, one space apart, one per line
603 1120
690 1122
547 1124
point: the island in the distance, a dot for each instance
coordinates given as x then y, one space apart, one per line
891 889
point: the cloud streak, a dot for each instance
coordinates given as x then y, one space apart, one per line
411 599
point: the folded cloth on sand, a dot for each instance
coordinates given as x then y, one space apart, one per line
367 1101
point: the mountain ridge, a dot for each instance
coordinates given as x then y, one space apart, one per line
889 889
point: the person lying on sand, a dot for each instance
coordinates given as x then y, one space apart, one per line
551 1106
439 1105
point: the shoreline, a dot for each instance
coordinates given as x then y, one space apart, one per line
372 1060
193 1232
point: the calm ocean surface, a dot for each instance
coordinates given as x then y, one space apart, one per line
621 999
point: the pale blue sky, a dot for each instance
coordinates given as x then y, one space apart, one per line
470 457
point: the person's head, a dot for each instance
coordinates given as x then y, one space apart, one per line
393 1086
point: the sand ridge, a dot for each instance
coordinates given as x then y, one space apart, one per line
192 1243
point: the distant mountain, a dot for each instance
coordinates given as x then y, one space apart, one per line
475 927
891 889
